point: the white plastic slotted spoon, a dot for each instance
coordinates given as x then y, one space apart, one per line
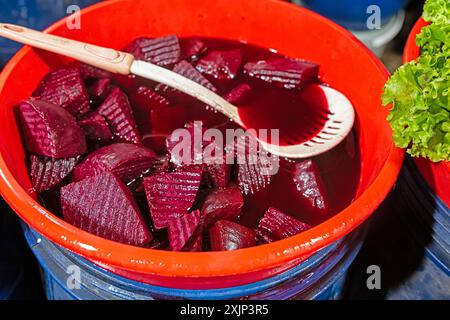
341 113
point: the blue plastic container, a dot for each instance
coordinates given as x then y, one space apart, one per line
353 14
321 277
37 14
426 219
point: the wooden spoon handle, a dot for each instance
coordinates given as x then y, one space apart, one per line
104 58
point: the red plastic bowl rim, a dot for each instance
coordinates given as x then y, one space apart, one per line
202 264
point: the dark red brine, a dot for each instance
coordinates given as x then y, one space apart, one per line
102 149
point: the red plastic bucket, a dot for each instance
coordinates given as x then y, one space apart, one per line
437 175
345 64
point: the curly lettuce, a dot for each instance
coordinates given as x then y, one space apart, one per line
419 90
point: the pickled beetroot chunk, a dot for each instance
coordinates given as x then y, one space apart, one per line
48 172
103 205
308 182
284 72
99 89
50 131
222 65
171 195
187 70
223 204
239 94
95 127
164 51
117 111
145 98
65 88
183 229
127 161
88 72
226 236
193 49
276 225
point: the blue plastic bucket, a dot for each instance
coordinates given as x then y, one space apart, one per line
37 14
426 220
353 14
320 277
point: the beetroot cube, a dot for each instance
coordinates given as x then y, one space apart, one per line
48 172
223 204
99 89
182 229
50 130
127 161
218 174
276 225
187 70
221 65
239 94
164 51
309 184
145 98
193 49
95 127
103 205
117 111
284 72
65 88
88 72
226 236
171 195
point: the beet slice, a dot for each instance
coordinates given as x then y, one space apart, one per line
163 51
309 184
239 94
88 72
117 111
99 89
187 70
95 127
146 99
227 236
223 204
221 65
284 72
193 49
251 176
276 225
218 175
47 172
171 195
103 205
65 88
50 130
182 229
127 161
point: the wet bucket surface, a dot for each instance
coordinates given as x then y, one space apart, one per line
330 45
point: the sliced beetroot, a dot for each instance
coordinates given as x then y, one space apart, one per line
195 243
47 172
193 49
182 229
239 94
309 183
187 70
284 72
103 205
221 65
88 72
99 89
146 98
164 51
117 111
50 130
276 225
127 161
218 175
171 195
65 88
251 166
95 127
227 236
161 164
223 204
